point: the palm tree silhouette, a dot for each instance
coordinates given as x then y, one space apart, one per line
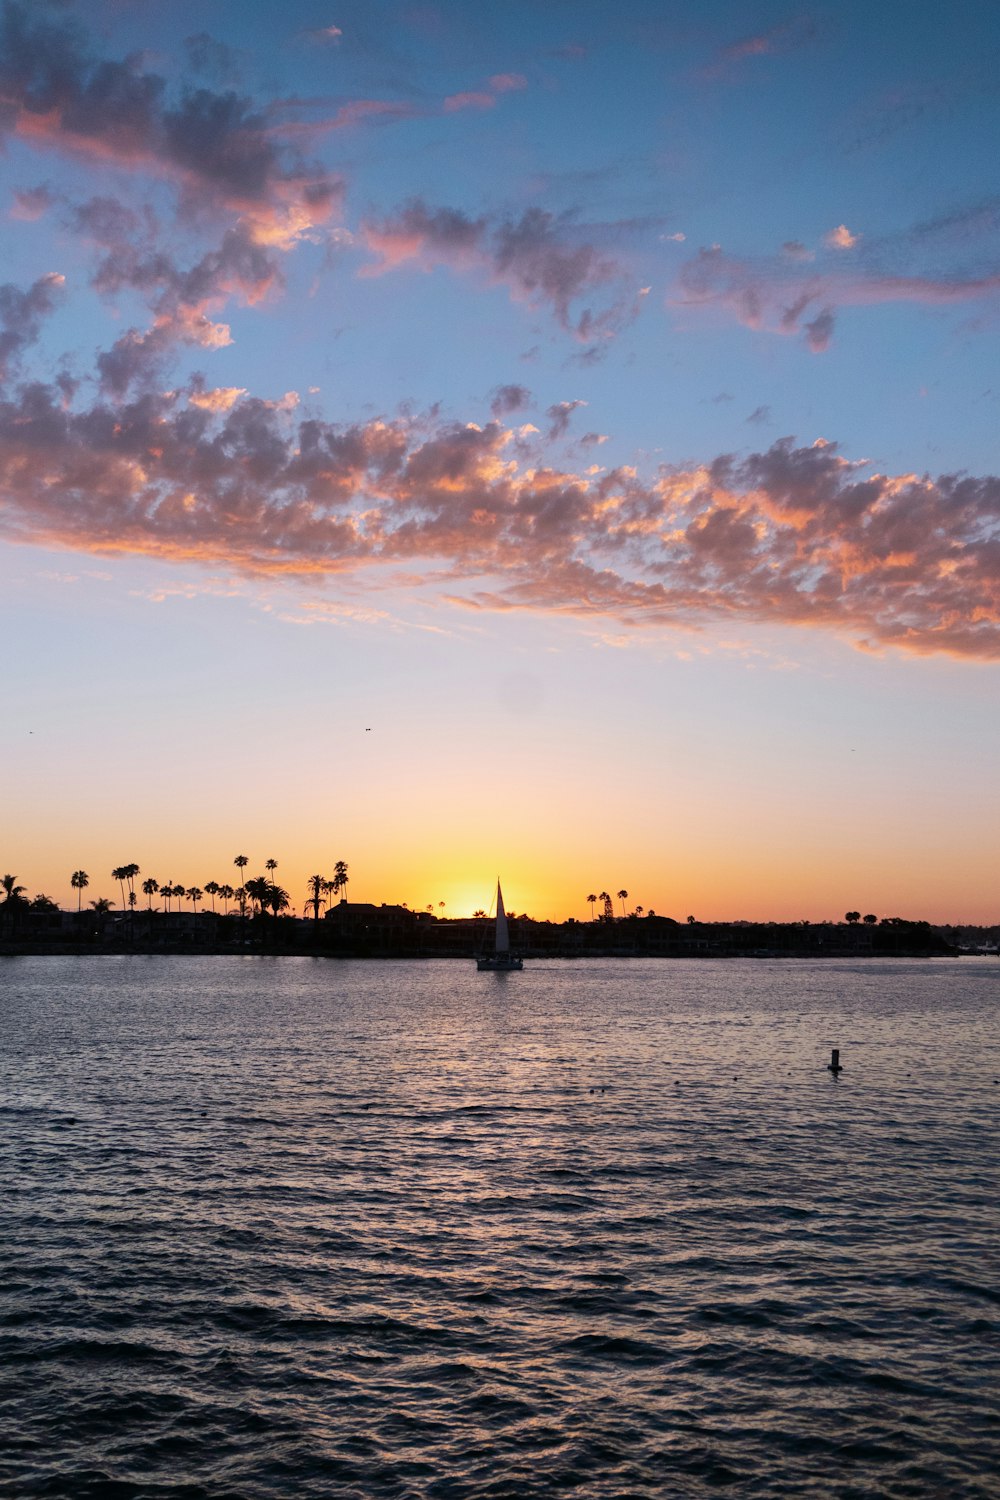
241 863
79 880
622 895
13 900
212 888
593 902
257 890
316 884
150 888
194 895
340 877
227 893
270 865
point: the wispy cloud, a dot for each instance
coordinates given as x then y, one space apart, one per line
789 36
539 256
779 295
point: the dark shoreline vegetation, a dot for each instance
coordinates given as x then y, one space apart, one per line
255 917
358 930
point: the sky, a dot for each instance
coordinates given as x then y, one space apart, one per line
555 440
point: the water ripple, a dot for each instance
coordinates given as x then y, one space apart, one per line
373 1230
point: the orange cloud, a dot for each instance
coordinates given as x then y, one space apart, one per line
841 238
790 535
222 398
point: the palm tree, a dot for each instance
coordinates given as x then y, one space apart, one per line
622 896
79 880
270 865
119 875
102 905
316 884
178 893
593 902
277 899
241 863
13 900
194 895
605 897
340 877
150 888
227 893
212 888
638 911
257 890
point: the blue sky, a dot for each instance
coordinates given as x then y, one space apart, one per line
606 394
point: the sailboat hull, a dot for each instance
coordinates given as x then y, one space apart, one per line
502 963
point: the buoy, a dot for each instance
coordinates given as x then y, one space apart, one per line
833 1066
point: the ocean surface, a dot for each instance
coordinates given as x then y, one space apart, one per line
295 1227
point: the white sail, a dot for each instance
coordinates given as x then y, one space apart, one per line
503 936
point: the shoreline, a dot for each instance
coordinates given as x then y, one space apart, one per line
35 950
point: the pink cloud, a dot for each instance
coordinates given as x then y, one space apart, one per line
474 100
31 203
791 535
541 259
215 147
505 83
788 36
778 297
347 116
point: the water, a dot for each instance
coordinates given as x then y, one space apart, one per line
294 1227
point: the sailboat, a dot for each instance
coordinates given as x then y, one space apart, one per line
502 961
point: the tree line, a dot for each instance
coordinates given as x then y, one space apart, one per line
253 896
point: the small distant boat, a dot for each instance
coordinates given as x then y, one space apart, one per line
502 961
